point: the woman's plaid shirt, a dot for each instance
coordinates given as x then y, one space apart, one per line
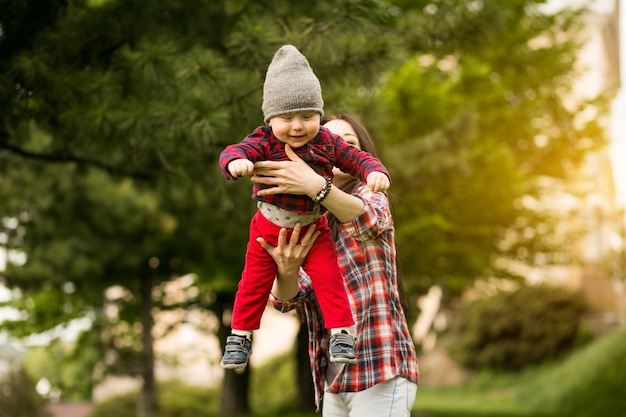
367 257
322 153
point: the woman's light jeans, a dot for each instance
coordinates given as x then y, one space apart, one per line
393 398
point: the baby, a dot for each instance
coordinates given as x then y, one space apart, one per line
292 108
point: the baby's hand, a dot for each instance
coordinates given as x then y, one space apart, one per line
240 167
377 181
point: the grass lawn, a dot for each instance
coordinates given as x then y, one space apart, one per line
499 398
588 383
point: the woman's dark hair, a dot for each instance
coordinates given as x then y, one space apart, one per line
366 143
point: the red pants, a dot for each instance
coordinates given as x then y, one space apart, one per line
260 270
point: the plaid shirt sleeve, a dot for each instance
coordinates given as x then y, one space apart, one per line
374 220
305 295
252 147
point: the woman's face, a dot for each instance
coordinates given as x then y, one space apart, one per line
345 130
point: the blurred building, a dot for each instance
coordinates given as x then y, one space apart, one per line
599 215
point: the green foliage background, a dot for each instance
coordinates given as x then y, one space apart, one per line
115 113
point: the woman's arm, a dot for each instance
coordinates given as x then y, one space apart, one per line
289 256
297 177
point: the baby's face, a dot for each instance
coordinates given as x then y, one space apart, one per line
296 129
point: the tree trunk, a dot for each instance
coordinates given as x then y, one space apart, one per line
236 384
148 401
304 378
234 399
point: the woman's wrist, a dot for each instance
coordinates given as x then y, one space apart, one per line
324 191
316 186
344 206
286 286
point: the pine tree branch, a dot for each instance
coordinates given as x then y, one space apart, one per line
236 98
167 165
62 158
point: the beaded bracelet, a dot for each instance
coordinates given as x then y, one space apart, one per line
319 197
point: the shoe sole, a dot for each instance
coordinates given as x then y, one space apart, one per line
343 360
234 365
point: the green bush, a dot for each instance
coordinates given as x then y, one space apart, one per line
176 400
511 330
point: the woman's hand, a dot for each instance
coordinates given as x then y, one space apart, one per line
296 177
289 257
289 177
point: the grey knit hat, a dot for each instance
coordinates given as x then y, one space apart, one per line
290 85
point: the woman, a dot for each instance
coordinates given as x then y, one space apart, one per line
384 380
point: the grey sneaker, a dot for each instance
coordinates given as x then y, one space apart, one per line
236 352
341 348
